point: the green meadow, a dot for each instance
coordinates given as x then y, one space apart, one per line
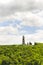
21 54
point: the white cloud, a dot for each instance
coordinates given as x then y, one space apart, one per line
10 39
29 12
36 37
17 39
9 35
26 18
2 2
8 30
9 7
29 19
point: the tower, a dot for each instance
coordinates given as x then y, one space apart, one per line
23 40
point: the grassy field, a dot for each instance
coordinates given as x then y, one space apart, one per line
21 55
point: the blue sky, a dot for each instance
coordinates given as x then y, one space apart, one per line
21 17
14 23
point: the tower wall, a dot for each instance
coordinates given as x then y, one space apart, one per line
23 40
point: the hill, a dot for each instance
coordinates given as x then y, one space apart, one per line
21 55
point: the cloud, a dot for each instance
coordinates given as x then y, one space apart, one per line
10 39
27 12
36 37
5 2
10 35
9 7
25 18
8 30
29 19
6 39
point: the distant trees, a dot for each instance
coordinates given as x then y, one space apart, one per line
35 43
30 43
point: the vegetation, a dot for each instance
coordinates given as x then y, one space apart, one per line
21 55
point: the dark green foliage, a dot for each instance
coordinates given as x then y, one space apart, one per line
5 63
21 55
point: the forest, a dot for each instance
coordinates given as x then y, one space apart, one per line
21 54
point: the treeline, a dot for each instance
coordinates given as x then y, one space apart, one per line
21 55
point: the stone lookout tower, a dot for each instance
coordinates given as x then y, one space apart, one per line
23 40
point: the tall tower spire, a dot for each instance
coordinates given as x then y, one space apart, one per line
23 40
